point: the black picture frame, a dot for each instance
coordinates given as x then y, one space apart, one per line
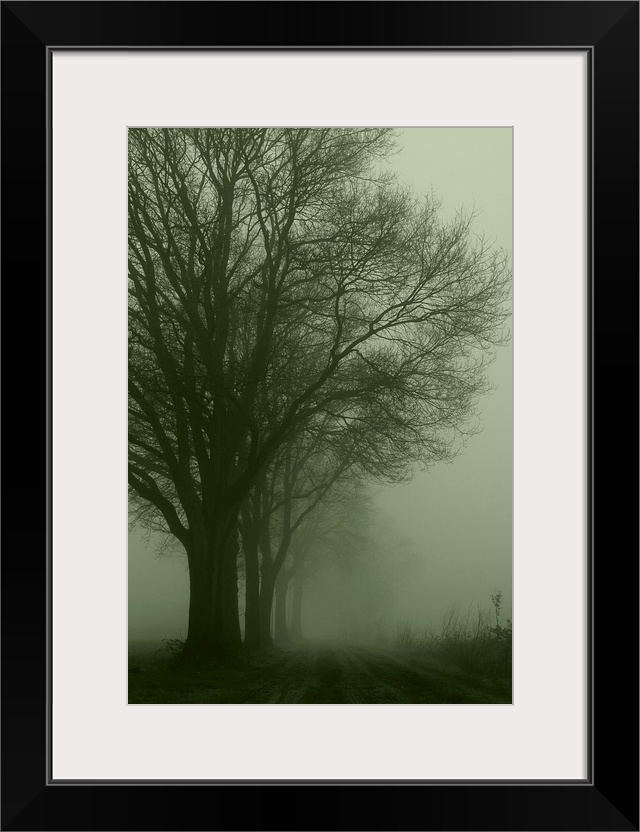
608 798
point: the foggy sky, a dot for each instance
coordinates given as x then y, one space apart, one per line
458 516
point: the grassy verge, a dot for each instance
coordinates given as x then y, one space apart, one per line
161 676
475 642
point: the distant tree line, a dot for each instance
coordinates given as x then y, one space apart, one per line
299 324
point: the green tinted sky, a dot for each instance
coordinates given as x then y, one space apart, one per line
463 166
459 515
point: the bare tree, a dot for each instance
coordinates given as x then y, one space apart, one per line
278 276
334 533
303 473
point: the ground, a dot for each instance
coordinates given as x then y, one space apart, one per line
317 673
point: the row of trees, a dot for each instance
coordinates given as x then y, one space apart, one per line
298 323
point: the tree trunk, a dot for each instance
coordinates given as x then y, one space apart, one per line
295 627
213 592
266 603
230 618
280 635
252 589
200 634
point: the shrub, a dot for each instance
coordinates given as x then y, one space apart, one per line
381 634
172 647
472 642
406 636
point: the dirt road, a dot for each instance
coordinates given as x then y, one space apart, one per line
324 674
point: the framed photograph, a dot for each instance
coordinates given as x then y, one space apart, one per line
421 203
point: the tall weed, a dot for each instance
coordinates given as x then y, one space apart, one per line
473 641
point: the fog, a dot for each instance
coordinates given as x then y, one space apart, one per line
443 538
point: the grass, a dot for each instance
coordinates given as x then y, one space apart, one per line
476 642
406 635
162 675
472 648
